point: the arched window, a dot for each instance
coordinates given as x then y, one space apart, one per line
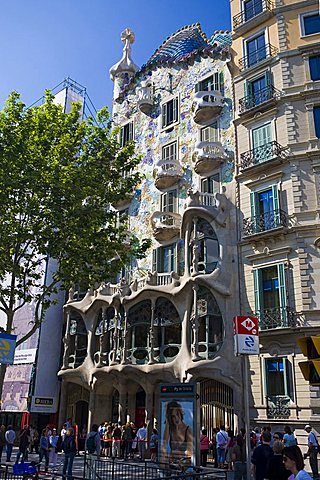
78 339
103 338
139 319
207 247
167 331
210 324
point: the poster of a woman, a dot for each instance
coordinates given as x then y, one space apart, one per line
176 438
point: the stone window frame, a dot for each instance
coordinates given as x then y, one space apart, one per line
312 127
260 123
302 27
277 354
245 40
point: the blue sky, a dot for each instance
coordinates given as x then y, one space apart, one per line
44 41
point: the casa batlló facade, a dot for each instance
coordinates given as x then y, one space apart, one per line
168 318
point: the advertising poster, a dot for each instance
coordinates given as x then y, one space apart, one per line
178 427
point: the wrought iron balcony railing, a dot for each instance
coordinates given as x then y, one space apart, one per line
267 51
258 98
259 6
264 222
278 406
262 154
279 317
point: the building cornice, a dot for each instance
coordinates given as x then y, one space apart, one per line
282 251
295 6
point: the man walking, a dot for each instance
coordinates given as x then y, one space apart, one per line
261 455
222 441
313 449
142 435
10 437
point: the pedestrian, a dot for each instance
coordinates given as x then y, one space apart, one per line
142 435
154 439
313 449
53 448
222 441
63 431
127 438
275 466
229 451
93 442
116 441
213 447
261 455
44 448
239 458
2 440
70 449
36 441
24 440
204 447
288 438
10 437
108 441
293 461
82 438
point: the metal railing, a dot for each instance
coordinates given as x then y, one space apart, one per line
264 222
279 317
278 406
267 51
259 6
262 154
113 469
258 98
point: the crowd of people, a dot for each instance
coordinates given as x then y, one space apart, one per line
274 456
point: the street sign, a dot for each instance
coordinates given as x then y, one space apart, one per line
246 335
7 348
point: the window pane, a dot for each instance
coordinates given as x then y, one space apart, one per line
275 377
256 50
311 24
252 8
316 115
270 288
314 64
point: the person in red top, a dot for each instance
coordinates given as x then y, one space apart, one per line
204 447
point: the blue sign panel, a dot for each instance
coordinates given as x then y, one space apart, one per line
7 347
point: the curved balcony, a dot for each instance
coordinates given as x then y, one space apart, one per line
165 225
207 106
167 173
207 156
145 97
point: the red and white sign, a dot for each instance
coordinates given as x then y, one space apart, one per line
246 335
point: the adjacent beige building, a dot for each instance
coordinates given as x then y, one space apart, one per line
276 52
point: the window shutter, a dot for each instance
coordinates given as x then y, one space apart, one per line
221 82
175 259
164 115
246 87
258 299
282 294
288 378
275 194
253 201
268 77
122 137
155 259
130 131
175 110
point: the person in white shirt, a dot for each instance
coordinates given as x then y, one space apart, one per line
53 453
10 437
222 441
142 435
63 431
313 448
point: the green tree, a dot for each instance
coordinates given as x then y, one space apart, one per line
59 177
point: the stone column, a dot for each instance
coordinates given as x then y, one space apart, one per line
63 403
122 404
115 339
131 405
125 340
151 334
103 335
195 326
66 343
91 408
149 406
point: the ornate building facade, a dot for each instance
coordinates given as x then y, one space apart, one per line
169 318
276 52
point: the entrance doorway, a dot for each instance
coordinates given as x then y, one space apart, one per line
216 400
81 416
140 407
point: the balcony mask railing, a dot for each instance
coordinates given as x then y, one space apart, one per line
168 167
278 406
207 200
262 154
259 6
278 317
267 51
264 222
258 98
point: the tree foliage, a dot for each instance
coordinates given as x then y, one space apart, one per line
58 178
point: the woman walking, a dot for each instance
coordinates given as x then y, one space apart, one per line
44 448
204 447
293 461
